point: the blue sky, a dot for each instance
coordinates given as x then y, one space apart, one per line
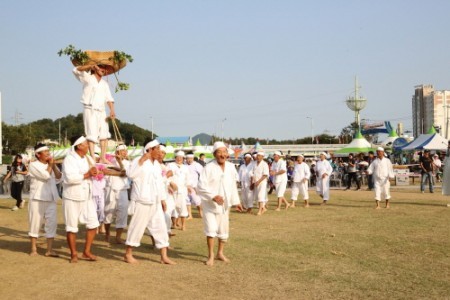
263 65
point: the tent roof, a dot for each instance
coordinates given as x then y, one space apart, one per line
427 141
358 144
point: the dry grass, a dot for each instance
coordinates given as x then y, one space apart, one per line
346 250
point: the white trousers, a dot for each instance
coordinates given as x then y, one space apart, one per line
39 213
83 212
300 188
194 199
159 220
170 212
95 125
382 189
261 192
247 197
323 187
100 206
143 215
216 224
181 205
116 206
280 188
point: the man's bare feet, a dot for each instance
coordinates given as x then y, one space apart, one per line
223 258
277 209
306 205
73 259
210 261
388 206
172 234
167 261
107 238
377 207
51 254
130 259
183 228
33 253
88 257
189 218
119 241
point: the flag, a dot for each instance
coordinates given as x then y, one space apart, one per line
317 139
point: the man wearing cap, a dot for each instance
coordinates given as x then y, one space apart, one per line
300 181
245 179
116 204
96 94
259 174
179 185
427 166
195 169
43 195
218 191
351 171
382 171
323 171
146 195
278 170
78 204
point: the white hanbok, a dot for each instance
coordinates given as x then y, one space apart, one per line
245 180
42 204
116 203
181 178
259 170
146 196
323 184
301 176
280 180
382 171
195 169
217 182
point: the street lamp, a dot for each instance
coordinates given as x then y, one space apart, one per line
312 127
152 126
223 121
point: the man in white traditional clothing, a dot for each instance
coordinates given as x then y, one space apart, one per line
245 179
96 94
195 169
382 171
43 195
300 180
169 213
323 171
179 185
146 195
260 174
116 204
78 204
218 191
278 170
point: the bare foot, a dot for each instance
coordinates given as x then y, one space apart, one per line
172 234
130 259
107 238
73 259
377 207
323 203
167 261
51 254
210 261
89 257
222 258
119 241
288 206
388 206
189 218
292 205
33 253
277 209
306 205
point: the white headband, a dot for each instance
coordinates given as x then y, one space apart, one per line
121 147
190 156
180 154
80 140
43 148
151 144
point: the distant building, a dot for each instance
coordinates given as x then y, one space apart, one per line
430 108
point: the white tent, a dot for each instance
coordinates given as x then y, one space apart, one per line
427 142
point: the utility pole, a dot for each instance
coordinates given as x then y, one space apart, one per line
312 129
1 133
152 127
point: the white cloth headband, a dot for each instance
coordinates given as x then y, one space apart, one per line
43 148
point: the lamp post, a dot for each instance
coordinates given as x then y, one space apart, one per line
151 118
223 121
312 129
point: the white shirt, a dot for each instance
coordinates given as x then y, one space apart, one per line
301 171
43 183
95 93
323 167
259 170
195 169
217 182
381 169
75 187
181 177
437 162
245 174
148 187
279 166
119 183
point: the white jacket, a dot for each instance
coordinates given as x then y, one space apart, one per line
148 186
75 187
381 169
301 171
217 182
43 184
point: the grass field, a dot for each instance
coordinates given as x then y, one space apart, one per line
346 250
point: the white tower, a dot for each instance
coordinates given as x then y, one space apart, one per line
356 103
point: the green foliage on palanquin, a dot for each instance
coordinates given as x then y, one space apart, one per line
74 54
120 56
122 86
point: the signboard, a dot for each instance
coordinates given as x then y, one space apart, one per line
401 176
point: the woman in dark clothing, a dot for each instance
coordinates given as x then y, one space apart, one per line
17 173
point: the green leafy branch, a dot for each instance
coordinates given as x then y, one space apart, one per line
120 56
75 54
